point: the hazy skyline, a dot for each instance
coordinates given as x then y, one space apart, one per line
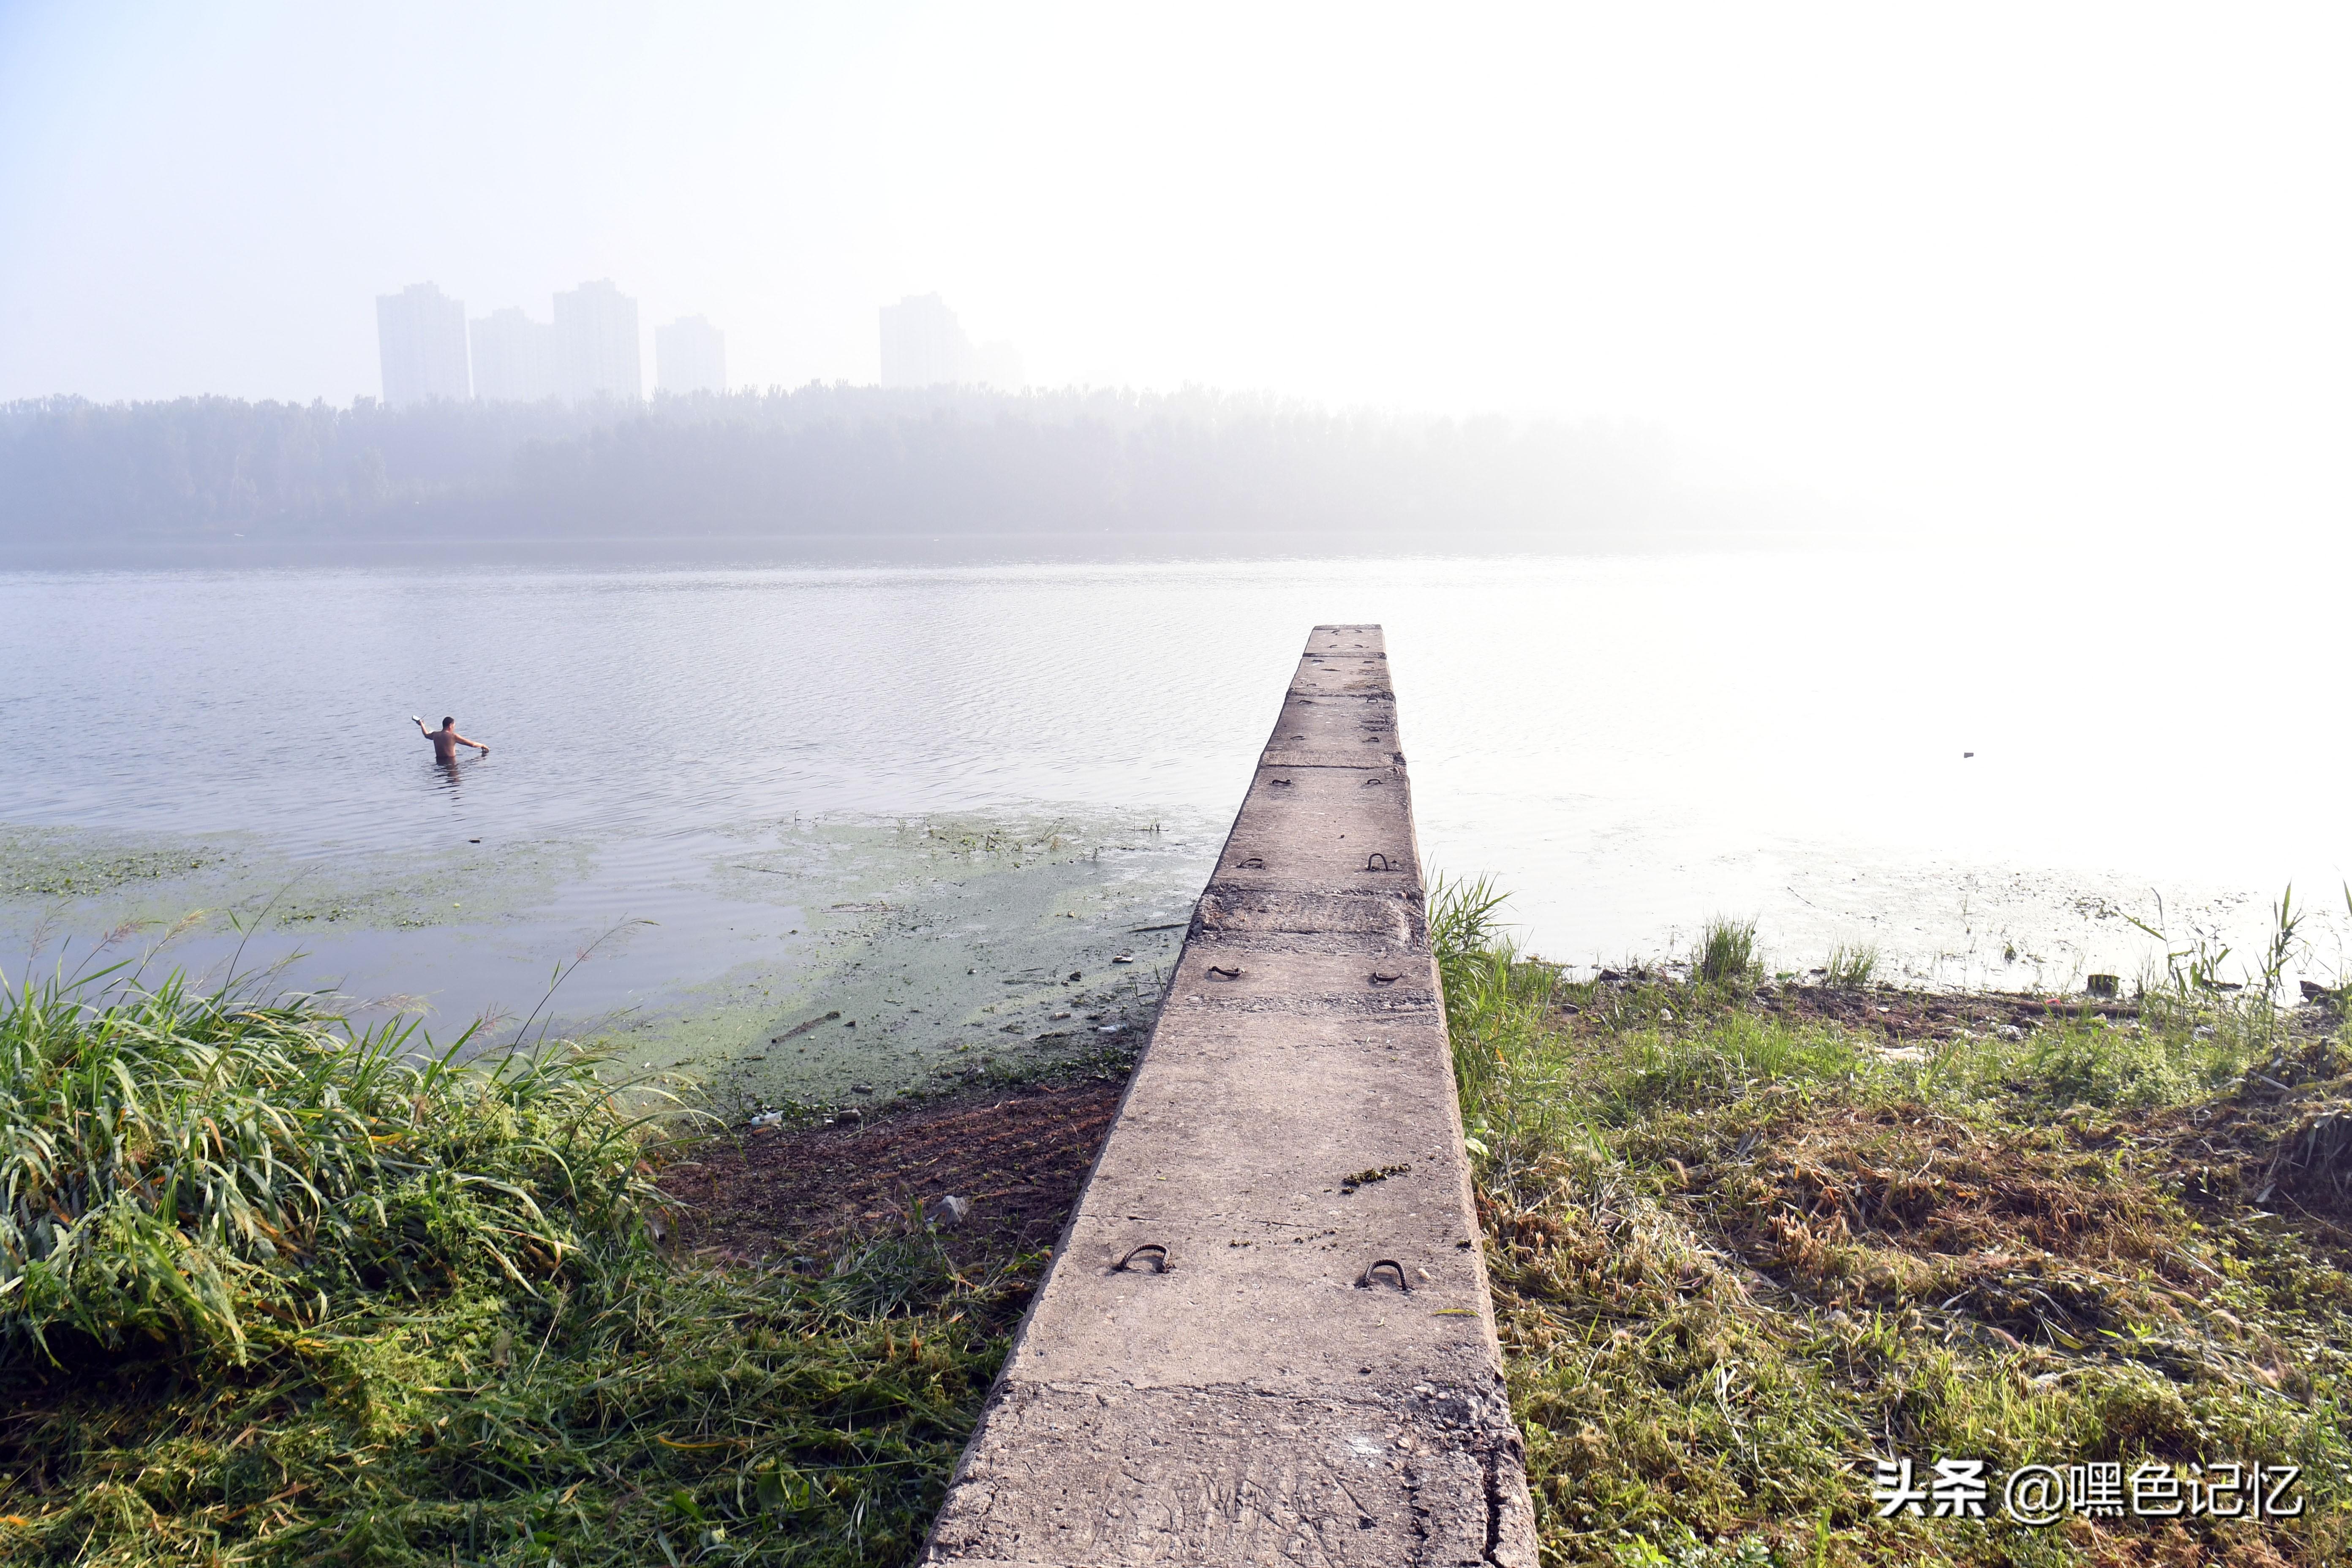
2072 261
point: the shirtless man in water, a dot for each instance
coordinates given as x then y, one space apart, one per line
446 740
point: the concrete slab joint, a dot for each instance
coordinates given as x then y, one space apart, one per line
1266 1336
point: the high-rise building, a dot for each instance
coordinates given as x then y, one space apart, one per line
689 355
514 357
596 352
923 344
420 334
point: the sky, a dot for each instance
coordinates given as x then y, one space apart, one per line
2066 263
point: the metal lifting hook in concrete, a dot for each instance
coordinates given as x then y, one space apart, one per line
1365 1283
1159 1259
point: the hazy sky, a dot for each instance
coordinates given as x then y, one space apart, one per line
1998 261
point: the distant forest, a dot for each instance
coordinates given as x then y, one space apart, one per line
822 460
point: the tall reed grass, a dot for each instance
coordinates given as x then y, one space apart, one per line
278 1289
173 1163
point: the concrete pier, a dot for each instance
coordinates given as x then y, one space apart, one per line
1266 1336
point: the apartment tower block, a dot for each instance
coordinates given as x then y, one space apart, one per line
596 351
421 341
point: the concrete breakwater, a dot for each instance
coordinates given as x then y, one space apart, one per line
1266 1336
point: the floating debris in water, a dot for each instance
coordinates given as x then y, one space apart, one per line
799 1029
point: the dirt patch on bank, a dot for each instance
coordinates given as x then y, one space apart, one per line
1019 1155
1907 1014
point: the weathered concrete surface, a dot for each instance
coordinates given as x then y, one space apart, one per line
1259 1401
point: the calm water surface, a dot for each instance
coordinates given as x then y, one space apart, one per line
1628 745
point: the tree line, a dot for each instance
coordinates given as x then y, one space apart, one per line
817 460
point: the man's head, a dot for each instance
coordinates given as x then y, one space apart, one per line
448 722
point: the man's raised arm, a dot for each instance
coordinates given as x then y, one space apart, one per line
463 742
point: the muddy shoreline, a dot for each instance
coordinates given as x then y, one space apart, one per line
1017 1154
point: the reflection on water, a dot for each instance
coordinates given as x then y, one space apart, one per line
1629 744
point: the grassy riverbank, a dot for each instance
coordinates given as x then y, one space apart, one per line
1747 1238
271 1291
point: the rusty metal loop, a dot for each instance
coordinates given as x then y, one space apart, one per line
1284 782
1254 863
1224 971
1385 863
1371 783
1159 1260
1382 978
1365 1282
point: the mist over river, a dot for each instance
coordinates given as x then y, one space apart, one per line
924 798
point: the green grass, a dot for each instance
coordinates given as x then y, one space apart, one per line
279 1292
1852 965
1726 952
274 1290
174 1165
1738 1255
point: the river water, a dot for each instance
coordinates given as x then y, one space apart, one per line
930 795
